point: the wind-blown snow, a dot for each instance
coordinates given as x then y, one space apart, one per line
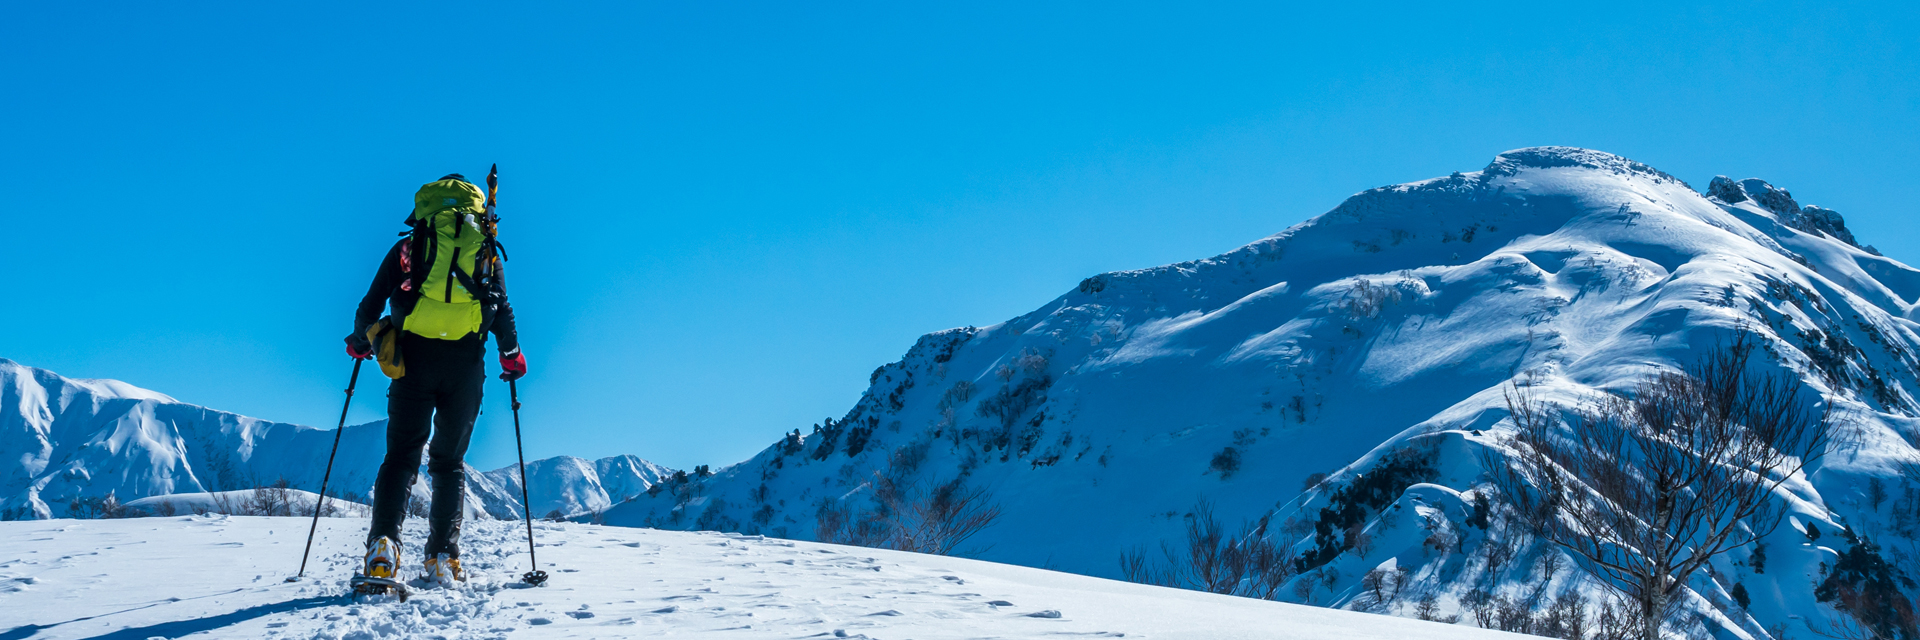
223 577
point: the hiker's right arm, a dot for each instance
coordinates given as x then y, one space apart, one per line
376 299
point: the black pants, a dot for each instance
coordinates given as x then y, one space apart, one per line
442 387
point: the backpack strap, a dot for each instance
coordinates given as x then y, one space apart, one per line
466 282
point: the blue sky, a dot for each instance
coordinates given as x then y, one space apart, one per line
722 216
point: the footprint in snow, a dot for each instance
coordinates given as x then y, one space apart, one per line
1050 614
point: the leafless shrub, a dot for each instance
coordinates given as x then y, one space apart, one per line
1513 614
1012 401
1566 618
1031 361
222 502
1428 608
1329 576
270 500
100 508
1295 528
1441 540
1496 551
1484 607
1361 540
418 506
165 509
1619 620
1303 591
306 506
1248 564
1365 300
837 521
1840 626
1380 587
957 395
1649 486
935 521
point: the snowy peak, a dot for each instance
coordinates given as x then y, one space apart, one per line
1513 162
572 486
1346 376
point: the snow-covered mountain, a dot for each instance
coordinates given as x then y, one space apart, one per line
1371 344
63 437
575 486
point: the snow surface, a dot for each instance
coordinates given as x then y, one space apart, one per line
222 577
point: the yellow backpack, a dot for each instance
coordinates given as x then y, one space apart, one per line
449 260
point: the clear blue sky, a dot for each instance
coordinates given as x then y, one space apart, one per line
723 216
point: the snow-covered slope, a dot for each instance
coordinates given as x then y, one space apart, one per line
1391 322
272 502
62 437
148 578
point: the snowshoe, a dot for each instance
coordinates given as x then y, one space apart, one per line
371 586
379 575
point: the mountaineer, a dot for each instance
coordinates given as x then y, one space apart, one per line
445 292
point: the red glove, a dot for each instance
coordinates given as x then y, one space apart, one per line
513 366
359 349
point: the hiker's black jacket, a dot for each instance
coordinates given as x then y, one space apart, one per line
495 314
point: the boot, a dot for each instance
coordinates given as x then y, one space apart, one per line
383 559
445 569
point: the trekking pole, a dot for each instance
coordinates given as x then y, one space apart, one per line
321 505
536 577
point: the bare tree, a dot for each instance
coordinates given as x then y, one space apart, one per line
271 500
101 507
1250 564
936 521
909 518
1646 487
1841 626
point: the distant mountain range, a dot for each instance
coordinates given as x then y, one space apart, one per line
64 437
